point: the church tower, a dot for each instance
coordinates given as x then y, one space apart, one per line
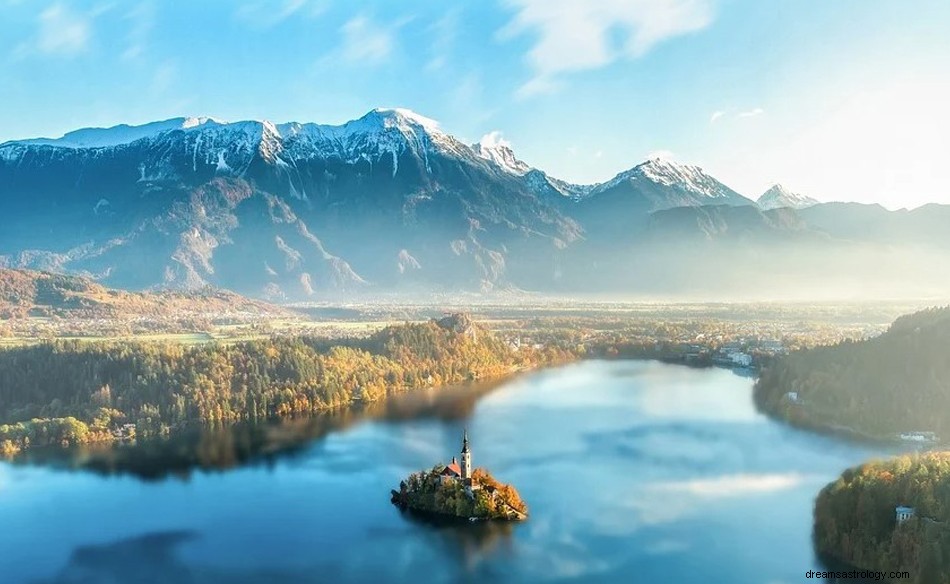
466 457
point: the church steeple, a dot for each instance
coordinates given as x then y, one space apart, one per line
466 457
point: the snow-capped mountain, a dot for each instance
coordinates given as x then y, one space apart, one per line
670 184
501 154
388 201
778 197
274 209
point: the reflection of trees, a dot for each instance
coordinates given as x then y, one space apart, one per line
222 447
465 542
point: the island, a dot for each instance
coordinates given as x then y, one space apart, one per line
456 490
890 516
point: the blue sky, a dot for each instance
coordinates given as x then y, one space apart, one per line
837 99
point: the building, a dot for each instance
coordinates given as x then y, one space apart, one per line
919 436
740 359
466 458
462 471
904 513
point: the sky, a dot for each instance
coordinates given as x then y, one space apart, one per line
835 99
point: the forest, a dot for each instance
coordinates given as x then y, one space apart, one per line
70 392
896 382
855 519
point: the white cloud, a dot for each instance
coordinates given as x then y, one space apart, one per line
60 31
141 19
751 113
575 36
266 14
715 116
443 33
734 485
662 155
494 139
365 41
163 77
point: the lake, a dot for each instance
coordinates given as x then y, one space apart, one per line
633 471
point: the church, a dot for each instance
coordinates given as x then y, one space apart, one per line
463 471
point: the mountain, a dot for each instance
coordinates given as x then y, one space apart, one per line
391 203
274 210
923 226
778 197
620 207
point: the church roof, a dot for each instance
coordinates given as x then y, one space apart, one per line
452 469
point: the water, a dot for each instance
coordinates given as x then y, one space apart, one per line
633 472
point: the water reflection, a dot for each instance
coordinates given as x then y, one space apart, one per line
466 543
153 559
223 447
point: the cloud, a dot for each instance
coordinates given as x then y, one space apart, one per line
734 485
661 154
715 116
266 14
494 139
60 32
751 113
572 36
443 33
365 41
141 20
163 77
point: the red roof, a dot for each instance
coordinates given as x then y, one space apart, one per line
452 469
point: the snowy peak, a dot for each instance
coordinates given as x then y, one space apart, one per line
779 197
684 177
403 119
498 151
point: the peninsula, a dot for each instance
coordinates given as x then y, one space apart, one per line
890 387
456 490
890 515
72 392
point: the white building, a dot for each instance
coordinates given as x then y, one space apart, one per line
904 513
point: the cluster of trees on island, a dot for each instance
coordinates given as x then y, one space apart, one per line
486 498
855 519
897 382
75 392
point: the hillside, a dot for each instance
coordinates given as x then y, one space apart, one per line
25 293
897 382
856 521
70 392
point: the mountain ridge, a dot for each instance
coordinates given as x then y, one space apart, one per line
388 201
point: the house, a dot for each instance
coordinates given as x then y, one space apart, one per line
741 359
904 513
919 436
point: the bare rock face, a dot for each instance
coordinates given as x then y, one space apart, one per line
460 323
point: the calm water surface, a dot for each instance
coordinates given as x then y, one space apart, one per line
633 472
